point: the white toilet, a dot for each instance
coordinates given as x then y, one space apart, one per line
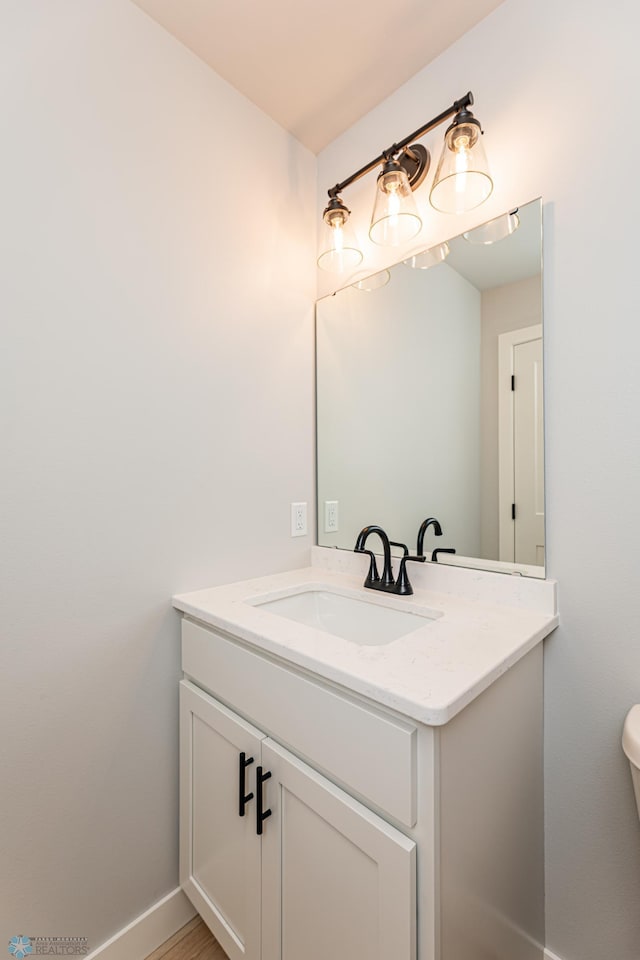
631 746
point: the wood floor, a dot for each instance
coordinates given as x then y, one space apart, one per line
193 942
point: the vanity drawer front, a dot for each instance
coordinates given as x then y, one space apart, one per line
368 752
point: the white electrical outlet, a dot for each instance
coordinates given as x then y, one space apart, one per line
298 519
330 516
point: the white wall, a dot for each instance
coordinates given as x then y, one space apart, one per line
157 399
554 85
398 408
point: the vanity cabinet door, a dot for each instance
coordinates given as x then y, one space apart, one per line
337 881
220 852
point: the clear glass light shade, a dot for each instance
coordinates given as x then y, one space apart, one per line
494 230
395 218
462 179
428 258
339 251
374 282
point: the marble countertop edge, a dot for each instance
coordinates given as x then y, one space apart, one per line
429 674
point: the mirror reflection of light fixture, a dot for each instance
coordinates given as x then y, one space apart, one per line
494 230
428 258
462 182
395 218
339 250
374 282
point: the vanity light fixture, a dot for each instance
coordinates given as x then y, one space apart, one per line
339 248
395 218
461 183
462 180
494 230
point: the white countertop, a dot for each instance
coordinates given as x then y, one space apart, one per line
429 674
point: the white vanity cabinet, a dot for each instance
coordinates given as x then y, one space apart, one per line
387 839
319 875
220 861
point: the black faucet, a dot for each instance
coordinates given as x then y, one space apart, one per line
373 581
373 578
437 529
424 526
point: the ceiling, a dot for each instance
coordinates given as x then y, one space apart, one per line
316 68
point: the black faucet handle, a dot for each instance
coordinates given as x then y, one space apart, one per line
403 587
403 547
373 576
434 554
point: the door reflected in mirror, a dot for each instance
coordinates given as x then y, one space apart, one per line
429 400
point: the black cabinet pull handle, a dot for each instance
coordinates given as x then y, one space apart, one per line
242 796
260 813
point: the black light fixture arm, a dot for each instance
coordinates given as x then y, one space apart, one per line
396 148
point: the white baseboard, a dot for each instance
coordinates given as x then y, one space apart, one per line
144 934
141 937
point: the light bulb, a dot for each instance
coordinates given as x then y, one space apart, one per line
336 224
336 218
395 182
462 163
392 184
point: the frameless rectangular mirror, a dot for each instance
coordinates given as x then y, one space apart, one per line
429 400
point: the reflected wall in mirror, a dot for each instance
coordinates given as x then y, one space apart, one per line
416 415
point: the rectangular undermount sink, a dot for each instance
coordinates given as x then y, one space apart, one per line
360 621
